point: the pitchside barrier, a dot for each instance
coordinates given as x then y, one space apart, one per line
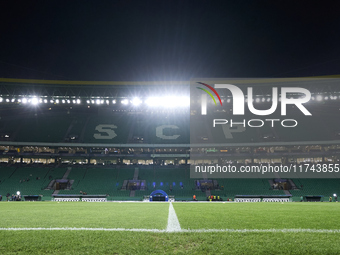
78 198
252 198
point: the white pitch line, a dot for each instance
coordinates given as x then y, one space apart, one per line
285 230
173 223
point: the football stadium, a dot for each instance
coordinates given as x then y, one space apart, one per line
109 168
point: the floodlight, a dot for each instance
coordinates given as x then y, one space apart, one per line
334 195
98 101
257 100
18 193
114 101
153 101
34 101
63 101
87 101
45 101
1 99
7 100
136 101
125 101
24 100
57 101
318 98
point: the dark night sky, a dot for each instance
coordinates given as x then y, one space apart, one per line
168 40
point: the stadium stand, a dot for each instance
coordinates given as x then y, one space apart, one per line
99 147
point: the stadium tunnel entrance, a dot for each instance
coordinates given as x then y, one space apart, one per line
159 195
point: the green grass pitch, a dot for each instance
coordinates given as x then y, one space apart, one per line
105 228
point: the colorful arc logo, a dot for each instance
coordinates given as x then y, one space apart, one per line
209 93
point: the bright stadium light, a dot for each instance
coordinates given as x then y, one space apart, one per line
168 101
87 101
98 101
78 101
45 101
57 101
7 100
34 101
136 101
18 193
114 101
319 98
24 100
153 101
125 101
257 100
63 101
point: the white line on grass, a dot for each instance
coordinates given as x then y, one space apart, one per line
285 230
173 223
